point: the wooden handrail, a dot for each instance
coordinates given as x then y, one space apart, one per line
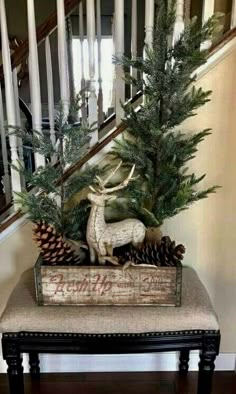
228 36
96 148
43 31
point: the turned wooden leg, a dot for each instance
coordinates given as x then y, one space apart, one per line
206 369
210 349
34 365
183 362
15 374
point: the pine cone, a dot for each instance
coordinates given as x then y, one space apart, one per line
53 248
170 254
159 254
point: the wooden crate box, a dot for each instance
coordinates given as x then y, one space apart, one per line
98 285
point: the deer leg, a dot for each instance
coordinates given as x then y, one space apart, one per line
92 254
101 259
109 249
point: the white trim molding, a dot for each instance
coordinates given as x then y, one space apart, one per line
216 57
15 226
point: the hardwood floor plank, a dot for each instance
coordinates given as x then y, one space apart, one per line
123 383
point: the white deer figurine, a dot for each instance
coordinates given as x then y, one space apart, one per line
102 237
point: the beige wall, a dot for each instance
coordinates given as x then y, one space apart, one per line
208 229
17 253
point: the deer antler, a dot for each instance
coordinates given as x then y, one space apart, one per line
122 185
103 183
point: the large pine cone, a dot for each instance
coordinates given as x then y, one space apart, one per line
53 248
162 254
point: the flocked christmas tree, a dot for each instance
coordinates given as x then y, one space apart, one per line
155 141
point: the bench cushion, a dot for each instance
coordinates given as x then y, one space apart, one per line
23 314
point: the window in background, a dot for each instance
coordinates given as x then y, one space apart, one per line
106 67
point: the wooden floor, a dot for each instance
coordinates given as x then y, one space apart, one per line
123 383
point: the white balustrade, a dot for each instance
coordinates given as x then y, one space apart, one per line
50 90
63 57
18 121
179 21
99 42
149 22
6 178
10 99
70 58
233 14
134 43
82 60
92 102
207 12
35 92
119 52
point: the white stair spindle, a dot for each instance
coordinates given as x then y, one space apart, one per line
18 121
187 11
82 60
99 42
10 100
63 57
92 102
179 21
113 92
134 43
207 12
69 37
6 178
119 52
35 92
233 14
149 22
50 90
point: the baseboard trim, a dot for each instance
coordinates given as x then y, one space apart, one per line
123 363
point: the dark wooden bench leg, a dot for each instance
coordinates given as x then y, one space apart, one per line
206 369
15 374
183 362
210 350
34 365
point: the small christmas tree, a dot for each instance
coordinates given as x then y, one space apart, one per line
155 141
48 204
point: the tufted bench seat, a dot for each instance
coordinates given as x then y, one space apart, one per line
34 329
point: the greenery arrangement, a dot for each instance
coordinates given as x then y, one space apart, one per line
155 141
154 144
49 201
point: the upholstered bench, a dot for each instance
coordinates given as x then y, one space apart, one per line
28 328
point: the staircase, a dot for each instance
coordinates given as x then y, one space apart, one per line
93 31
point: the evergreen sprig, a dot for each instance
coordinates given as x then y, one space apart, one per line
49 199
153 141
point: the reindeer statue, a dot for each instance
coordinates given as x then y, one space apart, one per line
102 237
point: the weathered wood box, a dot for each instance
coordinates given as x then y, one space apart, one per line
97 285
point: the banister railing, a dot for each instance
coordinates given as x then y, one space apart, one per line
43 30
88 17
